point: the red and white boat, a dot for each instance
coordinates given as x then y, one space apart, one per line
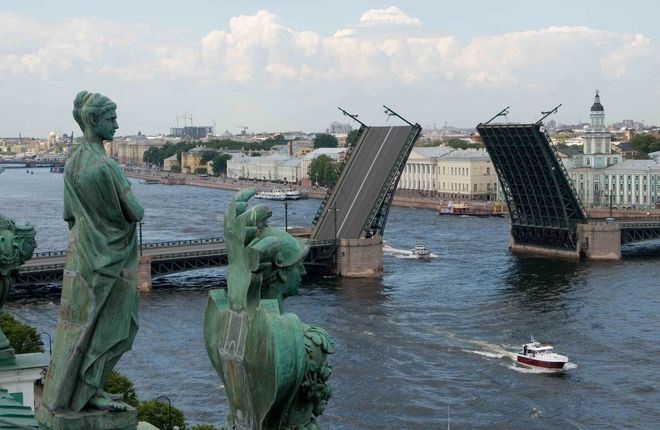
534 354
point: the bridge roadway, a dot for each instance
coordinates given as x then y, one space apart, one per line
372 166
165 258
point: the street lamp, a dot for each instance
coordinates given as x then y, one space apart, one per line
140 227
50 341
169 406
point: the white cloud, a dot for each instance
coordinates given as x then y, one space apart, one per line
260 49
391 15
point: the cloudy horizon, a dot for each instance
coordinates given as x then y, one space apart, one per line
271 70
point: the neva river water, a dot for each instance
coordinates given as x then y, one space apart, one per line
427 338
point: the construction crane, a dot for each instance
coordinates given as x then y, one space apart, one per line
243 128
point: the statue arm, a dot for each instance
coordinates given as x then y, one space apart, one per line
130 206
68 212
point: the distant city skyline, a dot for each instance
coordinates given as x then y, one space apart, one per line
288 65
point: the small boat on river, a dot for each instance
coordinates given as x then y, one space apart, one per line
421 251
279 195
536 355
482 210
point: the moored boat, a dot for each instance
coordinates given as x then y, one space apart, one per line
535 354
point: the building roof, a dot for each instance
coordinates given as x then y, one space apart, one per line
463 154
570 151
433 151
597 107
172 158
333 153
634 165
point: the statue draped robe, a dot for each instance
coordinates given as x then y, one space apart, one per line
99 306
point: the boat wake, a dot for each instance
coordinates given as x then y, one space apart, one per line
504 354
401 253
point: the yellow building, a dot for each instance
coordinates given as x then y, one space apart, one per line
449 173
192 160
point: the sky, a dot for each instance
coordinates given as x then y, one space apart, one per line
288 65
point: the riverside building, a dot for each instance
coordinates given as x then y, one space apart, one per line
449 173
600 176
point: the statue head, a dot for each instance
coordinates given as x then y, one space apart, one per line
25 237
96 115
282 262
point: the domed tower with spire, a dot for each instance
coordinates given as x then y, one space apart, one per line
597 138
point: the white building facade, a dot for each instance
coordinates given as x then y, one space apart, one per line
600 176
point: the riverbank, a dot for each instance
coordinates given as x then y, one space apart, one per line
418 202
235 185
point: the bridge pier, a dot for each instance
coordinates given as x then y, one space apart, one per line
540 250
600 240
144 274
360 258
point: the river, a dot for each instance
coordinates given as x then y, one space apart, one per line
427 341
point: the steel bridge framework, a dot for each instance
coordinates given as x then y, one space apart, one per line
545 209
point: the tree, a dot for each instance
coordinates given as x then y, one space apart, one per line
22 337
323 171
120 384
206 427
207 156
201 171
351 139
220 164
152 156
323 140
158 414
645 143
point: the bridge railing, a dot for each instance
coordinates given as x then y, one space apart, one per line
150 245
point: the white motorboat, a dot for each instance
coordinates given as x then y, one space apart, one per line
420 251
535 354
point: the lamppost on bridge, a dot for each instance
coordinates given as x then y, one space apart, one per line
140 227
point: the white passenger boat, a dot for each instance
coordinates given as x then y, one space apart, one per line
278 195
292 194
420 251
534 354
271 195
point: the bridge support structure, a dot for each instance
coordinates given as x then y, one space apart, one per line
144 284
595 241
600 240
360 258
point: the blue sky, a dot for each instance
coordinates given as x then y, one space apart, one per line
287 65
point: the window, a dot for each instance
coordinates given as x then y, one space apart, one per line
475 187
488 170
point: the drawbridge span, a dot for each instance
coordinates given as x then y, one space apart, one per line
359 203
546 212
545 209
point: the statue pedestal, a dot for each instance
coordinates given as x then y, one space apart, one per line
87 420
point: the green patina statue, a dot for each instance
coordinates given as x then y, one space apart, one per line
99 306
273 366
16 246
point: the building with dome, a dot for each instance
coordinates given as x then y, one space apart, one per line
599 175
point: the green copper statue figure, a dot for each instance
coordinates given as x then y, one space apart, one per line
16 246
99 307
273 366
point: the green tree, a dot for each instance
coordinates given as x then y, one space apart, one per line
645 143
152 156
120 384
323 171
207 156
220 164
201 171
323 140
158 414
351 139
22 337
206 427
457 143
